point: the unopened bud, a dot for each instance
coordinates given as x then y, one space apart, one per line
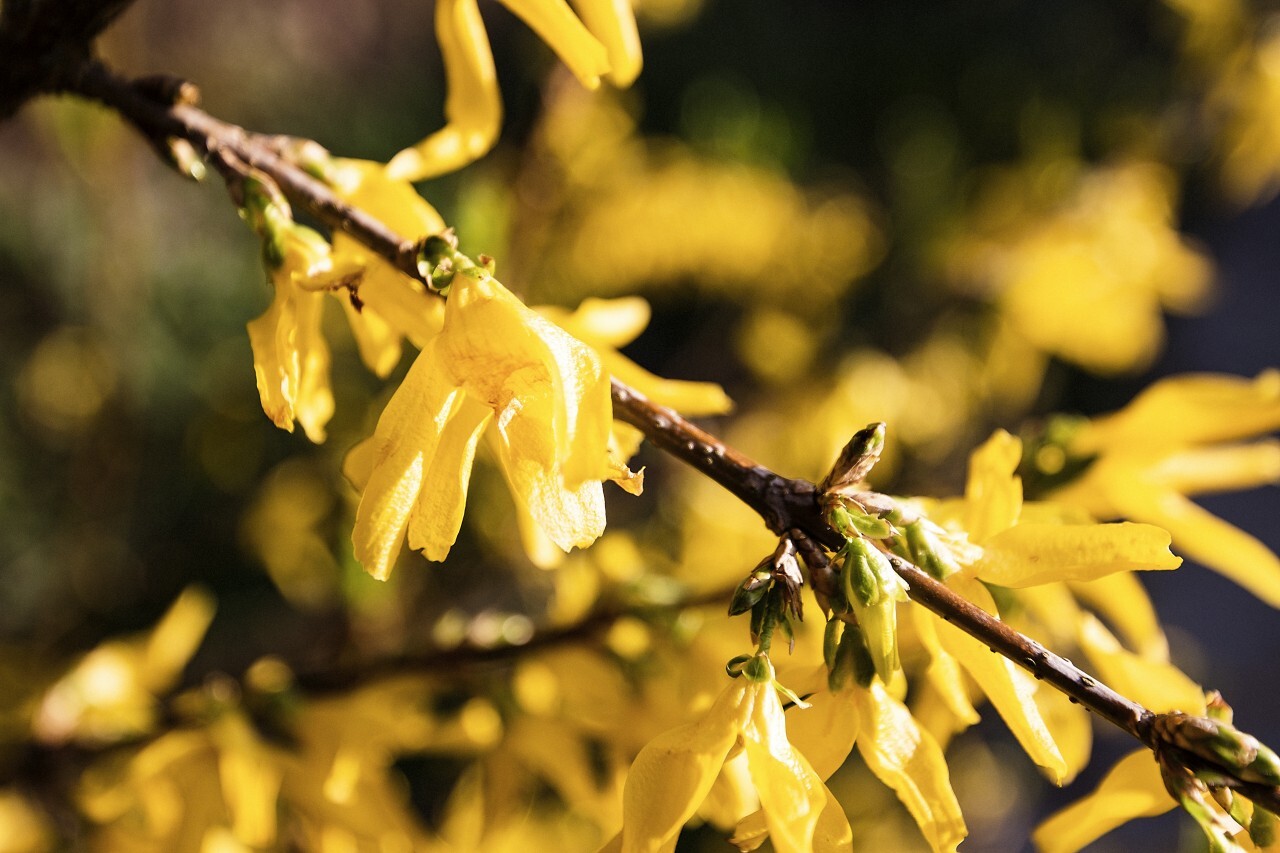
857 459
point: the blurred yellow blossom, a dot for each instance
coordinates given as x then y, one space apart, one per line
1183 436
111 693
23 828
495 361
1087 279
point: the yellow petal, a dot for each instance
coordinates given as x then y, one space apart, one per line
570 517
376 339
1071 727
1157 685
274 366
605 325
405 438
1010 690
824 732
1205 538
673 773
472 107
1189 409
1122 601
944 670
1032 554
437 513
993 493
791 794
366 184
502 352
688 398
831 835
556 25
1132 789
1219 469
314 404
908 760
614 24
602 322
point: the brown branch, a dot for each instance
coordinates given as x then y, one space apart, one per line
784 504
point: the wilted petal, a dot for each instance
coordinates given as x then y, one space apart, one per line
1010 690
908 760
1032 554
1132 789
673 773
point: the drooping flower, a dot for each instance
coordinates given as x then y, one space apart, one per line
495 362
290 356
1185 435
601 42
675 771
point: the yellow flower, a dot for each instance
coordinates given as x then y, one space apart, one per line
1180 437
495 362
674 773
290 356
1026 546
603 41
1020 546
894 746
111 692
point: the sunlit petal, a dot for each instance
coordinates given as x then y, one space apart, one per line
908 760
1030 554
1131 789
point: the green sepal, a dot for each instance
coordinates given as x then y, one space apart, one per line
1262 827
831 642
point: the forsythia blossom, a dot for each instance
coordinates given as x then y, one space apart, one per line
495 363
674 773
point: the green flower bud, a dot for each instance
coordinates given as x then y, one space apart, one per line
856 460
